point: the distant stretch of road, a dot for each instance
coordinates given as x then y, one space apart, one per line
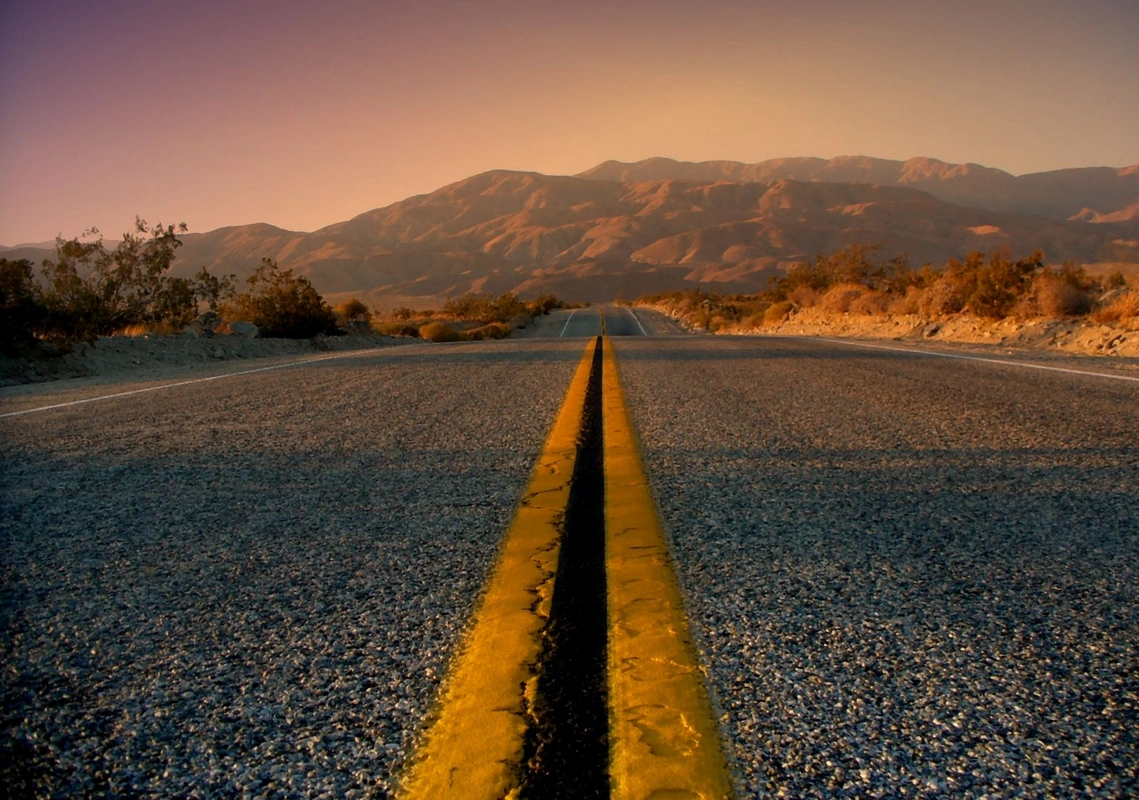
619 321
905 576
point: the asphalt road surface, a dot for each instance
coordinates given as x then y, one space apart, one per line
619 321
909 577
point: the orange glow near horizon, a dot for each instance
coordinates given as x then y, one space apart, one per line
303 115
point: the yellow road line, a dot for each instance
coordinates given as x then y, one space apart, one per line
664 741
473 748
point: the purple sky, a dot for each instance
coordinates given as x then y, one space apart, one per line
301 114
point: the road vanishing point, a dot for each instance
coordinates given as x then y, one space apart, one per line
609 560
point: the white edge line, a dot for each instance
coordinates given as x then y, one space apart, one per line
1004 362
636 320
181 383
564 327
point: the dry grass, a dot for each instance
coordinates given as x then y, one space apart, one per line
439 332
162 328
1123 308
351 310
1057 298
778 312
909 303
803 297
940 300
495 330
838 299
396 328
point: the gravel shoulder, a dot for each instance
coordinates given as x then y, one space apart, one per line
117 358
909 577
252 587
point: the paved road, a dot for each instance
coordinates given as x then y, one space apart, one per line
912 577
909 576
619 321
251 587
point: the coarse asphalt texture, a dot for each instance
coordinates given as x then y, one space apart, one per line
252 587
908 577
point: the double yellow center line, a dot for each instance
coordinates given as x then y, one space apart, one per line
662 740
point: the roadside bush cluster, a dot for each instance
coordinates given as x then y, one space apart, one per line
88 290
486 308
469 317
284 305
852 281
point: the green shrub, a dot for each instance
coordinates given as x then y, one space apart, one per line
92 291
22 313
282 305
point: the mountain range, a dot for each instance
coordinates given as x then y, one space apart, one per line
624 229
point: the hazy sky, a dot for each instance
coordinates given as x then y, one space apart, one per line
224 112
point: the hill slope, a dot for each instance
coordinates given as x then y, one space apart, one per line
590 239
1060 194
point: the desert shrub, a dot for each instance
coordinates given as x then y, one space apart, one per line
22 313
909 303
396 328
777 312
838 299
439 332
1123 307
282 305
992 287
1055 297
803 297
91 291
543 304
870 302
495 330
352 310
485 308
941 299
719 322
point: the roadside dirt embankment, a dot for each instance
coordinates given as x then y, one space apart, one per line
1062 335
152 355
